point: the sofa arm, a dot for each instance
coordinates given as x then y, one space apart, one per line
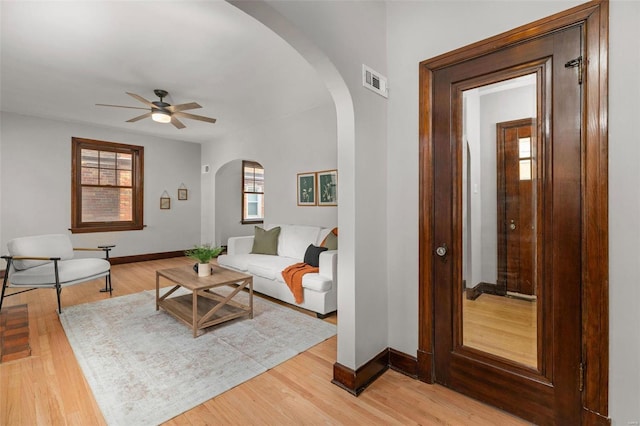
329 264
239 245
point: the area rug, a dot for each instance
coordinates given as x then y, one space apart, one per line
144 367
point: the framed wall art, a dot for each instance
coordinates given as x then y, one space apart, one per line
327 188
165 201
306 189
182 192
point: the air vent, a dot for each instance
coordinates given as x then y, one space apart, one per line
375 81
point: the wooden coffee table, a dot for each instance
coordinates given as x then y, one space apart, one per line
204 308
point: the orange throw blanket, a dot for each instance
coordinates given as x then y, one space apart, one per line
293 277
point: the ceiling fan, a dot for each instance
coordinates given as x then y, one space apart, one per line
162 112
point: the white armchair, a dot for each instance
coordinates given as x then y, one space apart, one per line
46 261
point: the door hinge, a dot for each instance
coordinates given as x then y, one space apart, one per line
577 62
581 379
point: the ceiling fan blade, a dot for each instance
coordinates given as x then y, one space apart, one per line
183 107
195 117
177 123
140 117
141 99
120 106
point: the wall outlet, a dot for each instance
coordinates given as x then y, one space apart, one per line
205 169
633 423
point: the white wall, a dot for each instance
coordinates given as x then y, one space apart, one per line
227 204
1 240
348 35
303 142
36 185
624 211
422 30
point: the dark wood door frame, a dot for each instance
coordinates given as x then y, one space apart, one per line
594 16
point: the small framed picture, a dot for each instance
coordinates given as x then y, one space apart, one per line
327 188
182 193
165 203
306 189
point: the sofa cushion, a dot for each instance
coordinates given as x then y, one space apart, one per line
269 267
237 261
313 281
312 255
265 242
68 272
294 240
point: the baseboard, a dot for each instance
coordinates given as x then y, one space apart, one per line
483 288
145 257
355 382
425 366
403 363
592 418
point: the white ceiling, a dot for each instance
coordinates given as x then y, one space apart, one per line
58 59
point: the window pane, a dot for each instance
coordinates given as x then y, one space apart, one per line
124 161
253 179
253 206
525 147
249 183
259 180
107 160
107 177
525 169
89 157
89 176
106 204
124 177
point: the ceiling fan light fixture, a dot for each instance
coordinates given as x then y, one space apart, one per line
161 116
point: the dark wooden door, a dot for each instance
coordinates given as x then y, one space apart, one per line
516 171
547 393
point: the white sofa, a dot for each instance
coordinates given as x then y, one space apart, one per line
320 295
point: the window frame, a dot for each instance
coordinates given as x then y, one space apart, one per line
137 186
243 220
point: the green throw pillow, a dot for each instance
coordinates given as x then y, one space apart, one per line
331 242
266 242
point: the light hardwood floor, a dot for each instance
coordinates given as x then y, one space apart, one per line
49 388
503 326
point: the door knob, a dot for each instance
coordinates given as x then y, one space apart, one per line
512 226
442 250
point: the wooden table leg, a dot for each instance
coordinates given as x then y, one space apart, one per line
195 314
157 291
251 297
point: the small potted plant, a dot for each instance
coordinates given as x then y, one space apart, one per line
203 255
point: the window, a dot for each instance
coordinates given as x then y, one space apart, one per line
252 192
106 186
524 145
